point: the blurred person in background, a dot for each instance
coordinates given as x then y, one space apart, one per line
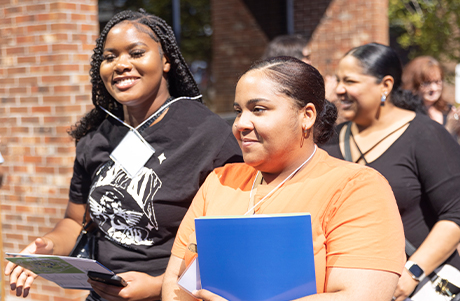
415 154
297 46
424 77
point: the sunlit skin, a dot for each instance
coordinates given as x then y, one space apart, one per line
268 127
134 71
359 94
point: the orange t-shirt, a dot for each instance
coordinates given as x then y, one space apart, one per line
355 220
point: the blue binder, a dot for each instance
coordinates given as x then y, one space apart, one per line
259 257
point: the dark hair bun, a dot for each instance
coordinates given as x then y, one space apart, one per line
324 126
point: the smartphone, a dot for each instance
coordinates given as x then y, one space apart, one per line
107 278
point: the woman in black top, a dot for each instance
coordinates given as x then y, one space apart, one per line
418 157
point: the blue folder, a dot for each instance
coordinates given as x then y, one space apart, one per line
259 257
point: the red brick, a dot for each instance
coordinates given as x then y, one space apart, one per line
36 8
17 90
27 59
43 130
28 100
60 68
68 109
64 47
52 17
12 10
44 169
25 19
88 27
89 8
6 21
44 109
58 140
36 28
38 48
15 50
54 58
41 89
55 78
28 80
78 17
18 110
6 100
67 88
63 6
56 99
40 69
32 159
64 27
18 70
33 120
57 119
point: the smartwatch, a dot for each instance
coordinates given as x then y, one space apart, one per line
415 270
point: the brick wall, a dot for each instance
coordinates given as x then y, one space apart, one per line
237 42
333 26
45 47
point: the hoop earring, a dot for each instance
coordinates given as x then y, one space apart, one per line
382 100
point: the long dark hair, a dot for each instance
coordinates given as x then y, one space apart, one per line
180 79
304 84
378 60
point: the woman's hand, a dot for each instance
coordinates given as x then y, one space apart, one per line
453 122
21 279
406 285
206 295
140 287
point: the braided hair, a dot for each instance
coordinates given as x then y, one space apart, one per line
180 79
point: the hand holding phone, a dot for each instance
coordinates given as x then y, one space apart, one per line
107 278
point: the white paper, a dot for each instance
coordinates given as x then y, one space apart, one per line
190 279
67 272
132 153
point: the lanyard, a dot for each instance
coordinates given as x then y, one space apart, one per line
146 123
256 183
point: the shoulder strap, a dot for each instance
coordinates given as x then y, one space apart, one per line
410 249
346 142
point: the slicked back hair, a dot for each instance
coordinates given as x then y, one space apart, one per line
303 84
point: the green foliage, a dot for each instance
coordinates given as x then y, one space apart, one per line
427 27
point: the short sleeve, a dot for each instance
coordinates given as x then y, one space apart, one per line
363 227
81 181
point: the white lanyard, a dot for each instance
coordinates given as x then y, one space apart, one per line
278 186
161 109
134 151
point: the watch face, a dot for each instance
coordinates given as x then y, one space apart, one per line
416 270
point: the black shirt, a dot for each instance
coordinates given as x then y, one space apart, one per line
139 217
423 169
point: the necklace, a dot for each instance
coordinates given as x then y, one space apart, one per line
278 186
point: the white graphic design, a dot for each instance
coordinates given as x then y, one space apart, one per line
111 203
161 158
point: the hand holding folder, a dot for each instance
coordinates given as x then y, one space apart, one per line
259 257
